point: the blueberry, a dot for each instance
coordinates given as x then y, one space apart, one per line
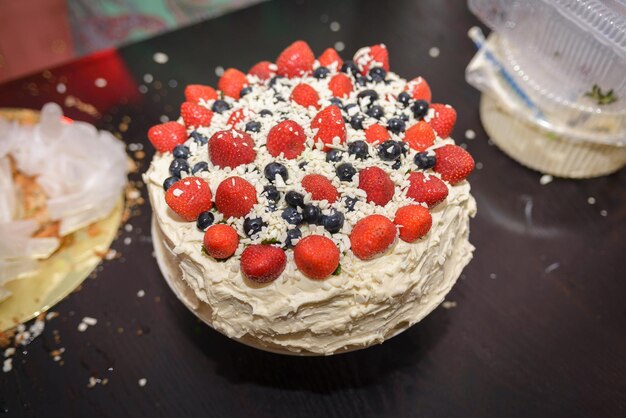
378 74
337 102
312 214
220 106
177 166
396 125
181 151
333 222
345 171
245 91
369 96
321 72
389 150
274 80
361 80
350 202
292 216
357 121
404 98
294 199
302 165
359 149
424 161
275 169
252 226
291 235
199 138
375 111
404 116
253 126
205 219
333 156
265 112
397 164
201 166
420 108
169 182
349 67
272 193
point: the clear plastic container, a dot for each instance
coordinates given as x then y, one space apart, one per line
556 52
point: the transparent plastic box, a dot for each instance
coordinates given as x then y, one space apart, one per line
557 51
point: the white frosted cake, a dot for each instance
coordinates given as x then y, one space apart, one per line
311 206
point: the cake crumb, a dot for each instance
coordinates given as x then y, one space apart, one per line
545 179
434 52
7 366
591 200
82 327
160 57
448 304
141 293
142 382
552 267
470 134
90 321
603 213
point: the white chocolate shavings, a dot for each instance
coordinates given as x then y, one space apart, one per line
264 97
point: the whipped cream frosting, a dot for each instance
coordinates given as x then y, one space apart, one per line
368 302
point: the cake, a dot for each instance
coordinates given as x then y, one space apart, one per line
311 206
69 176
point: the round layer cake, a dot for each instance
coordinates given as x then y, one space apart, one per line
311 206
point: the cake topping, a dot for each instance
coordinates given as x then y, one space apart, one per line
189 197
312 156
316 256
372 236
221 241
263 263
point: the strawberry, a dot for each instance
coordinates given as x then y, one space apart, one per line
165 136
305 95
419 89
372 236
340 85
372 56
195 92
262 263
426 189
287 138
444 119
296 60
377 184
414 222
420 136
195 115
453 163
376 133
264 70
329 124
189 197
316 256
231 148
238 116
330 57
235 197
231 82
221 241
320 188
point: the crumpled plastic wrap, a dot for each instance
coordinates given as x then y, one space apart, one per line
82 171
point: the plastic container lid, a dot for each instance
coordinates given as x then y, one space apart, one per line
559 50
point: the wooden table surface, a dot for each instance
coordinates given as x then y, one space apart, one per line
539 326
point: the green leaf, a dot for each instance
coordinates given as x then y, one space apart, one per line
337 271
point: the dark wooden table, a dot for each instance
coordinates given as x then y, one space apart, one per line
540 317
